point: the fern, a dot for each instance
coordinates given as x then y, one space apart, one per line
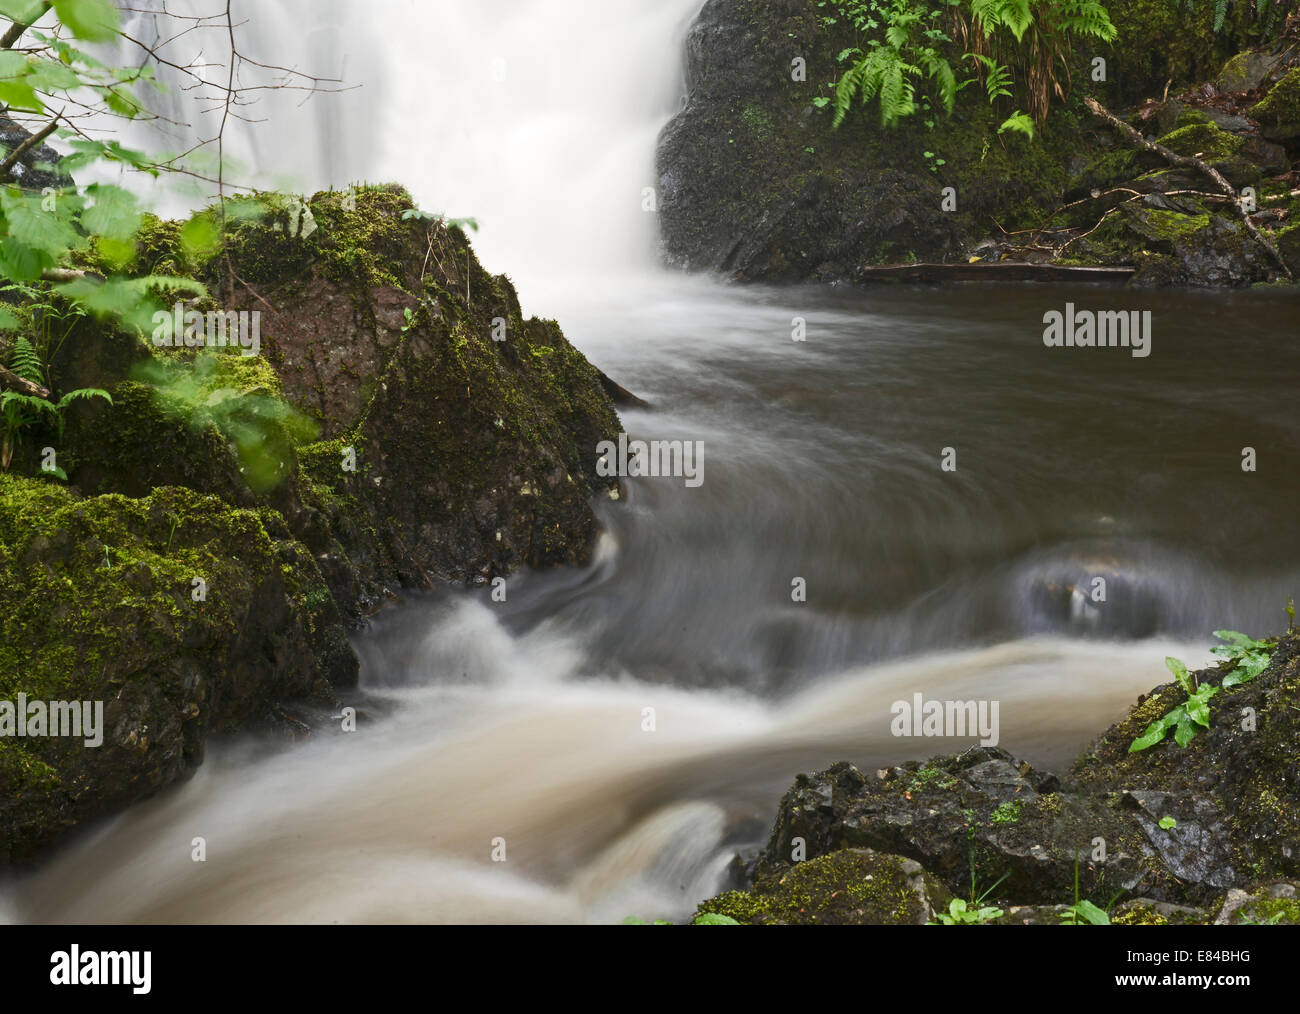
26 363
82 394
1020 123
1220 12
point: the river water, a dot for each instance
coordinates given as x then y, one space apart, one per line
620 731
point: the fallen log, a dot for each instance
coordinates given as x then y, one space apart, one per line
992 271
14 382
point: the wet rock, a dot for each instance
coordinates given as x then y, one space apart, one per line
1247 70
1278 112
1268 904
1237 779
1149 912
1196 848
977 811
850 887
1177 827
99 603
37 168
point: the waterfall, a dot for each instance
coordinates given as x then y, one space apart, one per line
537 118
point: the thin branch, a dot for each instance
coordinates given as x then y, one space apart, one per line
33 141
1190 162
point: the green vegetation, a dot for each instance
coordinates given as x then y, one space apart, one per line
1248 658
20 412
1083 912
905 55
961 914
1184 718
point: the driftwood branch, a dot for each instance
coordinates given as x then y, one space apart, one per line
1190 162
11 380
32 141
16 30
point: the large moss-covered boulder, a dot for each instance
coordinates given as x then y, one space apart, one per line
182 616
754 182
982 813
458 436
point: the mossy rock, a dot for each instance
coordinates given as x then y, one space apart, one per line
1278 112
1146 912
851 887
1243 765
1273 904
185 617
1203 139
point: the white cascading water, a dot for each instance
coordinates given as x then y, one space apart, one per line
538 118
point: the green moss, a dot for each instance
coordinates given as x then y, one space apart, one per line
1274 911
758 121
1006 813
851 886
1203 140
1279 111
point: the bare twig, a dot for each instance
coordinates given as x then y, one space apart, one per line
33 141
1189 162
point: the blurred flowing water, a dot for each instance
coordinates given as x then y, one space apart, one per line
525 720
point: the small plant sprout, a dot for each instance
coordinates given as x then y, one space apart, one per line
1184 719
1083 912
1248 656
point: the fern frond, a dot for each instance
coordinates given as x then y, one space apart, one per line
26 363
82 394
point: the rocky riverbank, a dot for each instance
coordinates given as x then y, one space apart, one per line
755 183
227 520
1207 832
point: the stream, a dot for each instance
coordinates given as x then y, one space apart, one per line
523 725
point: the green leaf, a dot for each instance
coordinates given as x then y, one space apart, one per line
714 919
115 213
1154 733
22 11
1185 730
1198 711
1094 915
22 263
92 20
35 227
1180 672
1168 823
18 94
200 237
83 394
